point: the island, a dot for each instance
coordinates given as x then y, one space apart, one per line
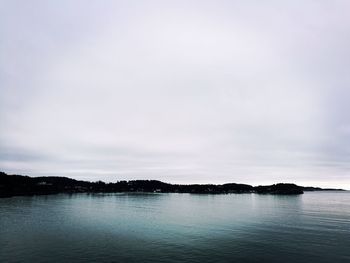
17 185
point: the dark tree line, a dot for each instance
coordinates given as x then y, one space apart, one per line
12 185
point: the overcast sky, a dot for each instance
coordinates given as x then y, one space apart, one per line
187 91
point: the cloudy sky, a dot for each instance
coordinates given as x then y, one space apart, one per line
186 91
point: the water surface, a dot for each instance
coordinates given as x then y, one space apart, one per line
314 227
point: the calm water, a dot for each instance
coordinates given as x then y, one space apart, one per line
314 227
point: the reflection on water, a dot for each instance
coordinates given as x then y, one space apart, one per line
176 227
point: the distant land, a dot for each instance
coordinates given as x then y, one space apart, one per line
17 185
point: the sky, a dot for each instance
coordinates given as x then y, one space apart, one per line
190 91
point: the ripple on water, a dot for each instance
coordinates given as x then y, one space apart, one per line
175 228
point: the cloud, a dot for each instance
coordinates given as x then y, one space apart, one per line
178 91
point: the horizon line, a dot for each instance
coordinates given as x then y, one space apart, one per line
343 189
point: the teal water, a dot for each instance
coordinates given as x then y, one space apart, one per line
313 227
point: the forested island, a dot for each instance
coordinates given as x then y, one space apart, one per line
15 185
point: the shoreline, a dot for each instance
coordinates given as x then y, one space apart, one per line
19 185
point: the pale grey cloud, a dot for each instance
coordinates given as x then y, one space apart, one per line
181 91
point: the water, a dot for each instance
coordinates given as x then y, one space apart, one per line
314 227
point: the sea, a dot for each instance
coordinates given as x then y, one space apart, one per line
171 227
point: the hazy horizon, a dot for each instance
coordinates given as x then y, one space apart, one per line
177 91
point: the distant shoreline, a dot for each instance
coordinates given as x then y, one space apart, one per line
19 185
